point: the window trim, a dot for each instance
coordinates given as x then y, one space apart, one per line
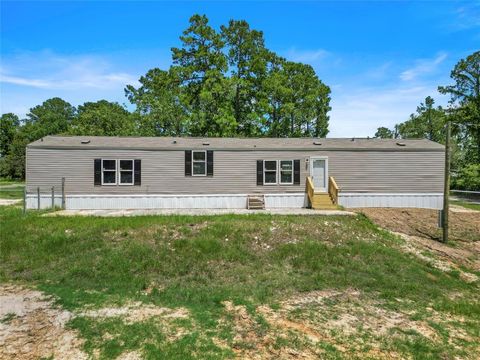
120 173
276 173
280 172
103 170
199 161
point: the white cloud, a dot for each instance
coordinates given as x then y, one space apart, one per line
46 70
306 56
422 67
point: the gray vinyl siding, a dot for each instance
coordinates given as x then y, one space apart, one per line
235 171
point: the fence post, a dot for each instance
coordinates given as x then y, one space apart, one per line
53 197
24 200
63 193
38 197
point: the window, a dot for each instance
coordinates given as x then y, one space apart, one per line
270 172
286 172
126 172
109 172
199 163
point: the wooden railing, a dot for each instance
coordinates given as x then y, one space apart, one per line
310 189
333 189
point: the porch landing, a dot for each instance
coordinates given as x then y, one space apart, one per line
198 212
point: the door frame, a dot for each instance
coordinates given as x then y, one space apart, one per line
312 159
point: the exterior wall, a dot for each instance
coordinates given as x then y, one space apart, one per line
387 172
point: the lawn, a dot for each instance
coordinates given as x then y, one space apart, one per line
11 189
466 204
242 286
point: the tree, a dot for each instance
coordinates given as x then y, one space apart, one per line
158 101
201 66
229 84
427 123
103 118
247 62
52 117
9 124
384 133
465 99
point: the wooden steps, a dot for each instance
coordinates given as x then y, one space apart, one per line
256 202
322 201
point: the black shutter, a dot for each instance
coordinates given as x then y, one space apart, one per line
137 174
259 172
296 172
188 162
97 172
209 162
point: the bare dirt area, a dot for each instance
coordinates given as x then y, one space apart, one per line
419 228
31 327
346 322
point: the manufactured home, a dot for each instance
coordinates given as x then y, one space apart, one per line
92 172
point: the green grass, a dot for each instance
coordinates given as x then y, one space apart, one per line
14 192
466 204
4 181
199 262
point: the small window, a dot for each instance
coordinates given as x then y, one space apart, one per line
270 172
286 172
109 172
199 163
126 172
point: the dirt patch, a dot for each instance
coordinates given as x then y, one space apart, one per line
464 226
137 312
419 228
33 328
154 233
252 341
7 202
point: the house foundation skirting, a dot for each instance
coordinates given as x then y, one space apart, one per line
414 200
229 201
207 201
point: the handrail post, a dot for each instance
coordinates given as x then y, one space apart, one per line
53 197
38 197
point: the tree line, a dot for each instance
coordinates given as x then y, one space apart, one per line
463 112
222 82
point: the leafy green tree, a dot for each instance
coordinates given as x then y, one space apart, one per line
247 66
227 84
158 101
384 133
53 117
9 124
465 100
467 178
103 118
201 68
427 123
13 164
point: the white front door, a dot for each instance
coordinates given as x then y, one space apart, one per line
319 173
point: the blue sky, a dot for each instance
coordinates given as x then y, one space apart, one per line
381 59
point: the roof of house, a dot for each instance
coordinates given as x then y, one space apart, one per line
189 143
